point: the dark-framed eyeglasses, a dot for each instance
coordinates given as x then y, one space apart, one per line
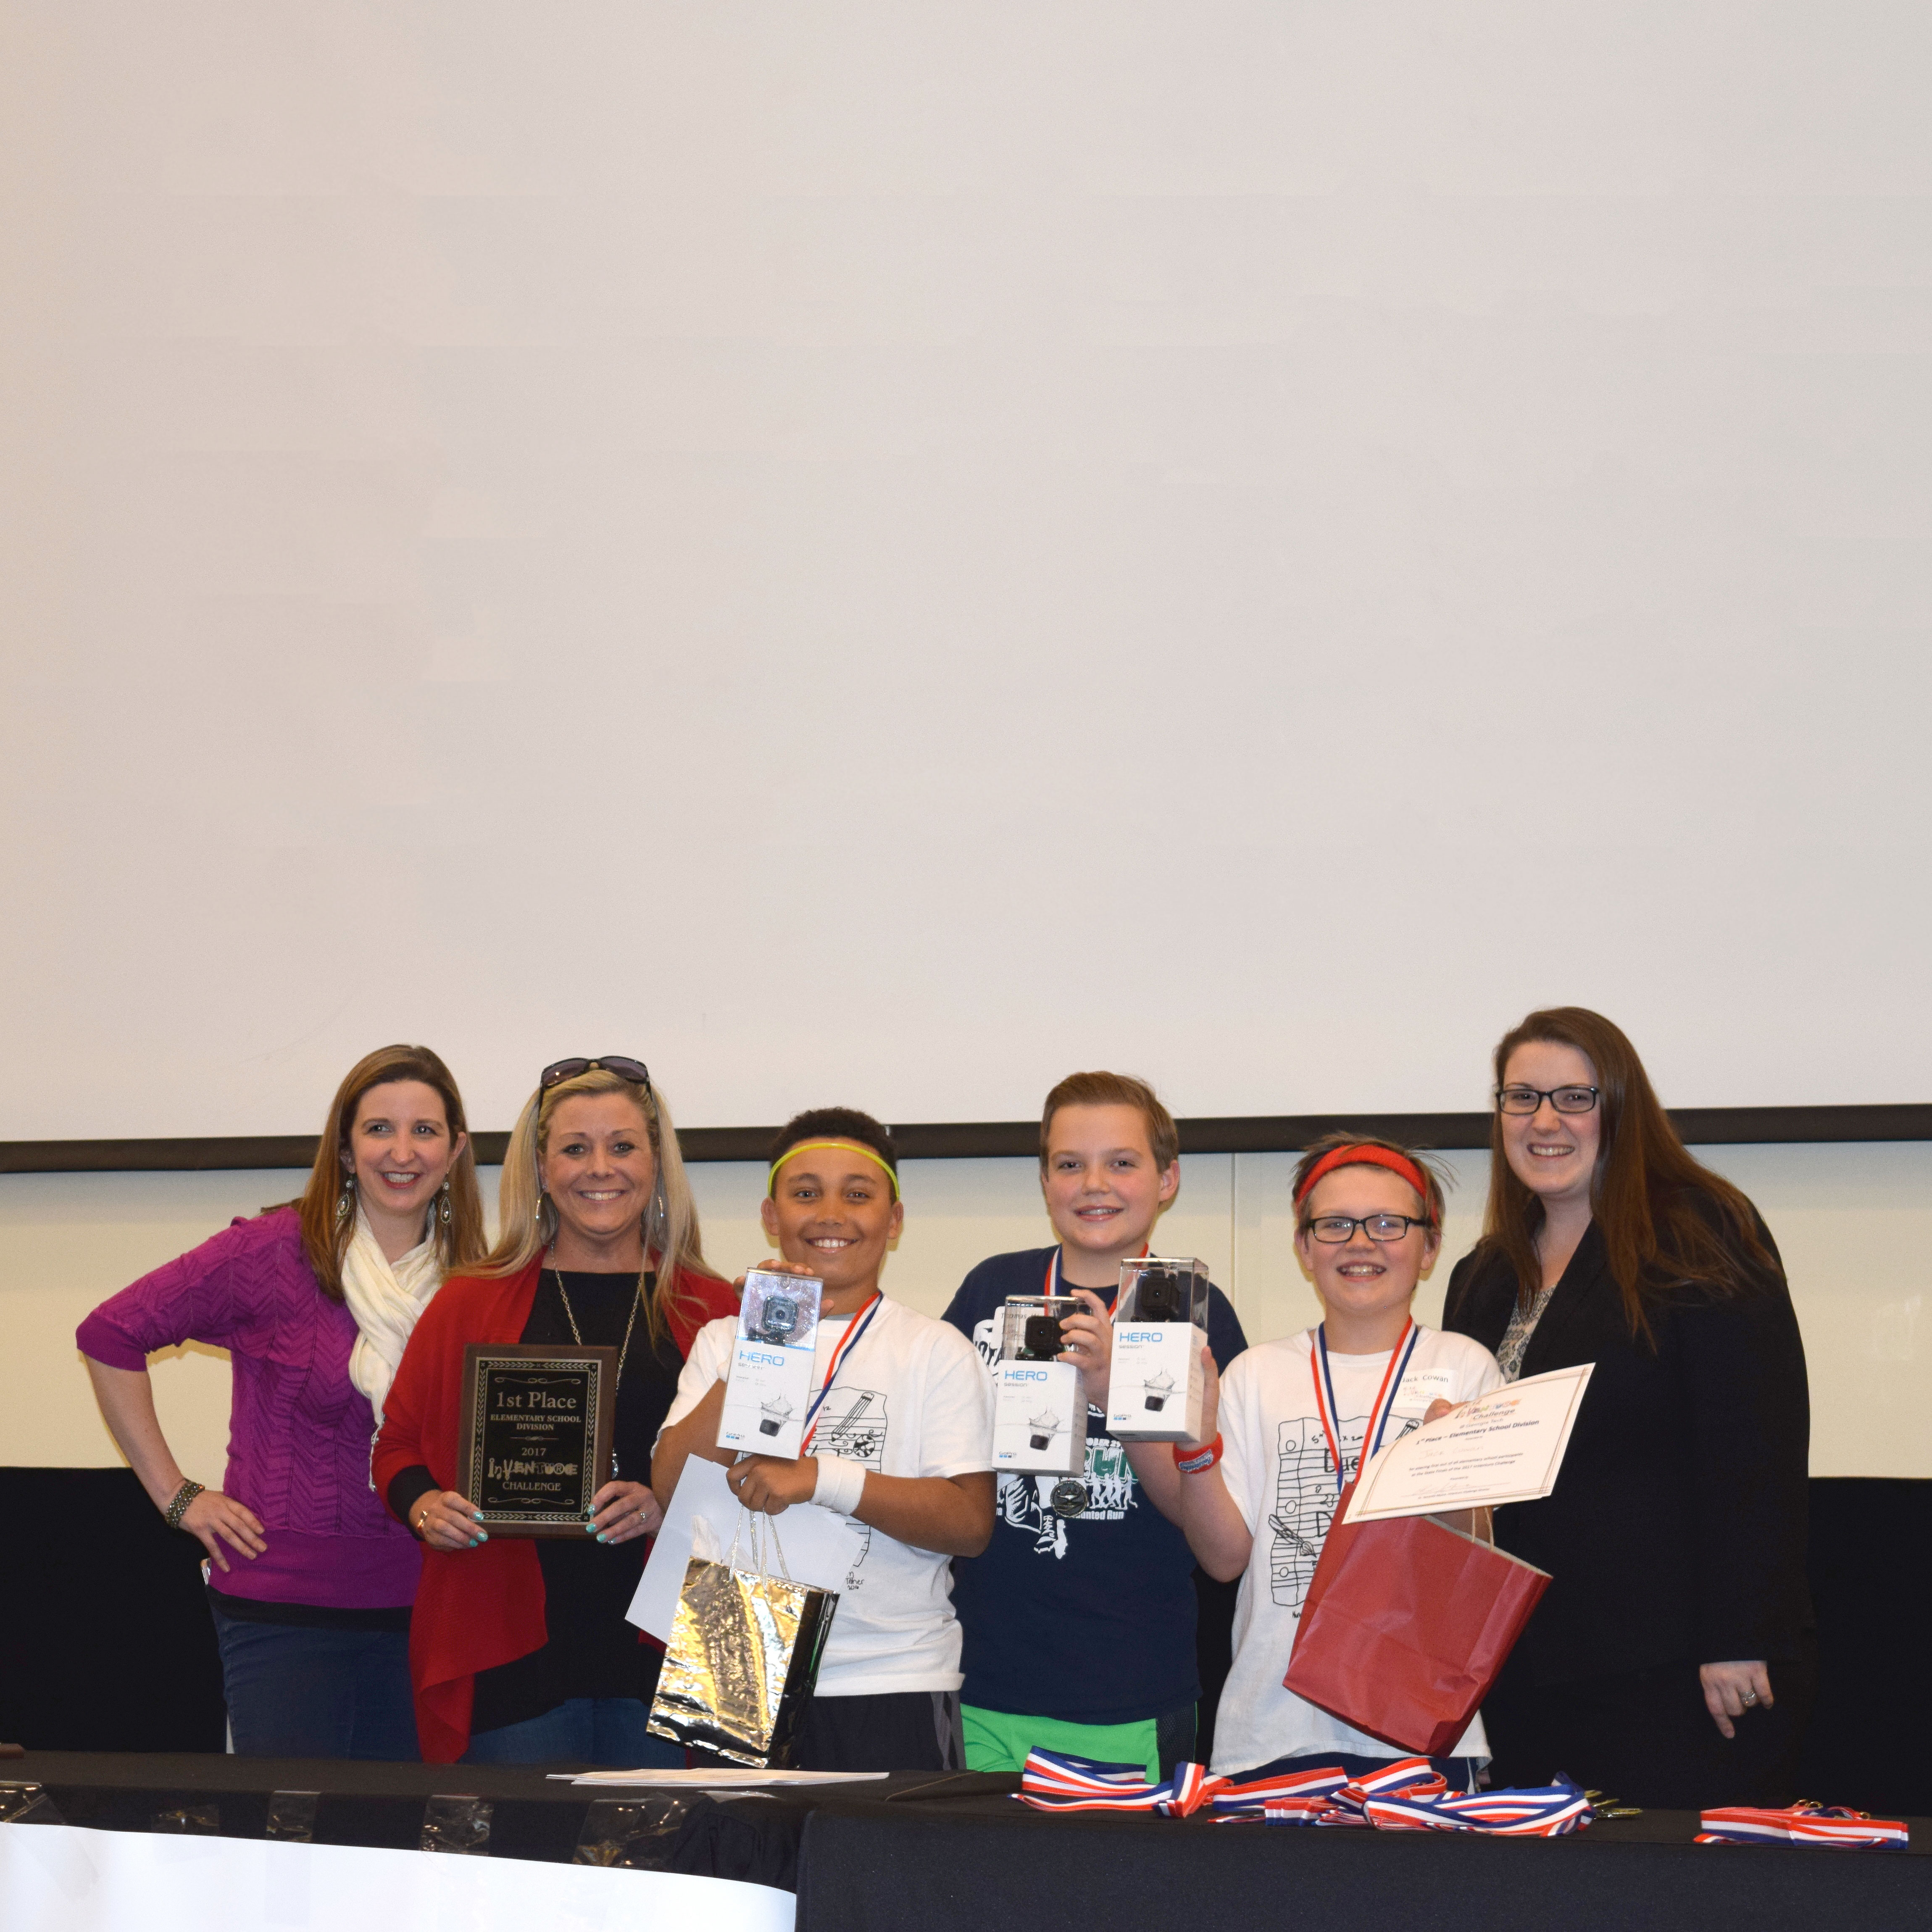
1332 1230
634 1071
1565 1100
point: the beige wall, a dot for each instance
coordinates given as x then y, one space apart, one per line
1855 1223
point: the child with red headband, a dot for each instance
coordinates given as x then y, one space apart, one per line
898 1441
1297 1418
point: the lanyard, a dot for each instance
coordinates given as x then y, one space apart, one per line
1384 1403
1053 1280
846 1341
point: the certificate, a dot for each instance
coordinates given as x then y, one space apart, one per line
1506 1447
537 1425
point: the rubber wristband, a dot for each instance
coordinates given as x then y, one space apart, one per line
1196 1460
840 1484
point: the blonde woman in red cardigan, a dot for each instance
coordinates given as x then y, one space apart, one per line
519 1650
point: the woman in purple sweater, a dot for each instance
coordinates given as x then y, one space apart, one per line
313 1302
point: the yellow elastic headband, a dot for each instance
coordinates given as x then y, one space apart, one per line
843 1146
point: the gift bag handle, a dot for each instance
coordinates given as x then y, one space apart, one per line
757 1542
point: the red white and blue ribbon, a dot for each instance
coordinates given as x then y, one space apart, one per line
1384 1403
1405 1795
847 1342
1053 1287
1807 1824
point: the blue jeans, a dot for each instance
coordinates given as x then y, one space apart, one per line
606 1731
294 1690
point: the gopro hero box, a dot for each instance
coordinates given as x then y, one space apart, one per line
1040 1409
1154 1394
769 1387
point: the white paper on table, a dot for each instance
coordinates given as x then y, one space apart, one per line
1506 1447
719 1780
818 1547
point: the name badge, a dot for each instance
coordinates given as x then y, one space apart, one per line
1420 1387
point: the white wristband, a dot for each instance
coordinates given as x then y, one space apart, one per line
840 1484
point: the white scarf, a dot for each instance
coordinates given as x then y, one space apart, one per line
386 1297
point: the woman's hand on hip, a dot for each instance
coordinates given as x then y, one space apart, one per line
447 1521
1730 1690
213 1518
621 1511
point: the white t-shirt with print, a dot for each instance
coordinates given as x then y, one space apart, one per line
1275 1461
911 1399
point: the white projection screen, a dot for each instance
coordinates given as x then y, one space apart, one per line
882 552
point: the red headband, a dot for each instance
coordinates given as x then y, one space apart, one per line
1369 1156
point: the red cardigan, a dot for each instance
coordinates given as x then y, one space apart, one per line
476 1609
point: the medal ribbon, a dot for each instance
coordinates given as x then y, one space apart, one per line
1053 1287
1384 1403
847 1342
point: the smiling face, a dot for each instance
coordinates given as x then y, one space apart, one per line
1365 1286
598 1168
401 1148
1553 1155
1104 1192
833 1211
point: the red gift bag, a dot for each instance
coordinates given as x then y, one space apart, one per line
1406 1623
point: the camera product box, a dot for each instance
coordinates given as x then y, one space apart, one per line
1040 1409
1154 1394
769 1388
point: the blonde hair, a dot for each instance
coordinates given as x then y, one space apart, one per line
527 1217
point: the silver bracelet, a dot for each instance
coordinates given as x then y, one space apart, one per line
176 1510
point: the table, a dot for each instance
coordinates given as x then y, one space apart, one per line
919 1850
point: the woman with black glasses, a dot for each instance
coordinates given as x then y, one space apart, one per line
520 1650
1670 1662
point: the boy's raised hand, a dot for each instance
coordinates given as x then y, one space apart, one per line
1089 1336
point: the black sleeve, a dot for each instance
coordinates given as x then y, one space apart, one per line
406 1487
964 1310
1740 1376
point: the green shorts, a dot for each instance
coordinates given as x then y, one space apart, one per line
999 1740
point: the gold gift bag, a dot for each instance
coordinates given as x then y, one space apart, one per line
743 1657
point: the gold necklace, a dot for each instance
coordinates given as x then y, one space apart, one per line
577 1334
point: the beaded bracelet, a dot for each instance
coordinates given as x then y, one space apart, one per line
176 1510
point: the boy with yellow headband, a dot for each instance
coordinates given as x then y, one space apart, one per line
901 1444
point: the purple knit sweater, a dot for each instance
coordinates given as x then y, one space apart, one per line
298 1430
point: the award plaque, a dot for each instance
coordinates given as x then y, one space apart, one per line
537 1425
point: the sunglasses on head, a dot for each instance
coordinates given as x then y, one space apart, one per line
634 1071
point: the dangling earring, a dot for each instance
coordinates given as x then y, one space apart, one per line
442 1214
345 1204
537 1212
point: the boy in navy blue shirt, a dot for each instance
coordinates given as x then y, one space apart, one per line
1079 1617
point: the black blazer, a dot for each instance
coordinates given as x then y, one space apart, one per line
1676 1532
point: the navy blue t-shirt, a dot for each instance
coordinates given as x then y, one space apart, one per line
1089 1619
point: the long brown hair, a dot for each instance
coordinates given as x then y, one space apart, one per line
526 1219
325 1232
1646 1193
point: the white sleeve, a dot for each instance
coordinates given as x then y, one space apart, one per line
1240 1468
1477 1373
955 1408
710 1359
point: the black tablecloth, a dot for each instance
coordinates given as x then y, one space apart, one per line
918 1850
